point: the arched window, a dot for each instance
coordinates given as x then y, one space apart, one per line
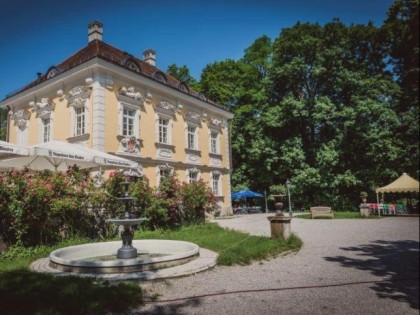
159 76
182 87
132 65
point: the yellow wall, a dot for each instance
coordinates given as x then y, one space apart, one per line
148 151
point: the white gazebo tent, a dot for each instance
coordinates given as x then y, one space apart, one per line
402 184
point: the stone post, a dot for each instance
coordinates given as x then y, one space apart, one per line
280 226
364 210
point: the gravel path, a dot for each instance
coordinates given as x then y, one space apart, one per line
384 253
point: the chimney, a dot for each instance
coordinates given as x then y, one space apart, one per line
149 56
95 30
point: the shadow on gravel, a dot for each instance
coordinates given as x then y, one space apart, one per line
171 308
396 261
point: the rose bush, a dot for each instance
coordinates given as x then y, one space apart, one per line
45 207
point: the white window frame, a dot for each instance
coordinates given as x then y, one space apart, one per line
46 129
135 118
196 144
216 142
168 127
84 104
80 121
128 122
193 175
161 170
216 183
191 137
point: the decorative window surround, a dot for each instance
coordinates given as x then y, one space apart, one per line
215 123
131 93
82 139
214 143
163 131
165 153
129 144
45 128
21 118
192 117
193 175
129 100
78 97
165 108
216 182
43 108
164 170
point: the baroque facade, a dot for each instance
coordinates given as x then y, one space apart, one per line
109 100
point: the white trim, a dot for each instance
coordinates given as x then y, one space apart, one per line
94 64
193 170
98 112
169 126
217 173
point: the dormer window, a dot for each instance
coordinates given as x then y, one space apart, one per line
52 72
132 65
182 87
160 77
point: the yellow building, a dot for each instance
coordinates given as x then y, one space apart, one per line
109 100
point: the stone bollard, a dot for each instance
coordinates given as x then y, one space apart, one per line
280 226
364 210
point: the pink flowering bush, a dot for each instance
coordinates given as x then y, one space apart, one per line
45 207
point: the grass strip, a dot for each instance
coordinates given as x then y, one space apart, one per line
234 248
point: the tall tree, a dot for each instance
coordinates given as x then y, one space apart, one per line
183 74
402 29
332 104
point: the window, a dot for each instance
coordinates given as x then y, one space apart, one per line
128 122
214 142
163 130
192 177
80 121
191 137
164 171
46 130
216 184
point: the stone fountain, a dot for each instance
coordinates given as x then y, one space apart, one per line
136 258
127 251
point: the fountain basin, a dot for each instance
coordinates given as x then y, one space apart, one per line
99 257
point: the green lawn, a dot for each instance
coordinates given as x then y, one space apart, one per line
339 215
26 292
233 247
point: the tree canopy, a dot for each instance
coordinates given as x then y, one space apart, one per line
333 108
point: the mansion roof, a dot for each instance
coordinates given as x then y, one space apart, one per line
102 50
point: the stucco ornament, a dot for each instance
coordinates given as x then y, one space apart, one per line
166 105
130 144
216 122
131 92
78 90
193 116
45 101
20 117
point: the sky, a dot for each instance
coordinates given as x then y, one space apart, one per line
35 35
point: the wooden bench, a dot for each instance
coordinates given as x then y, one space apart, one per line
322 212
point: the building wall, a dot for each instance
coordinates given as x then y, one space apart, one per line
108 105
